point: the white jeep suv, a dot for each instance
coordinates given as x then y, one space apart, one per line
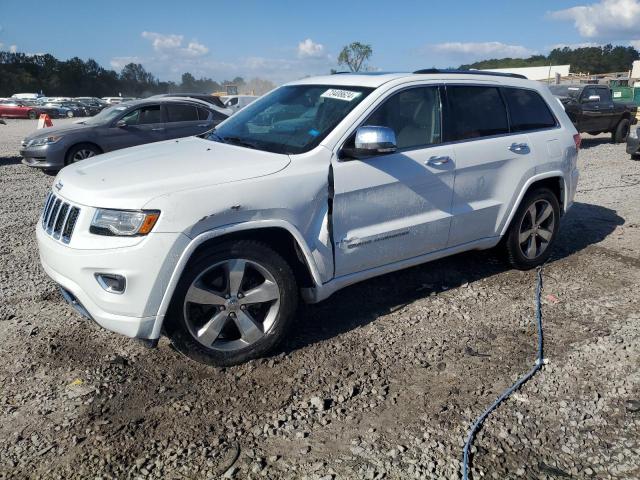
322 183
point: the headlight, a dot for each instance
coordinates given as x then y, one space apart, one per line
39 142
123 222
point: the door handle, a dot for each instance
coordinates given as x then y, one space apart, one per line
157 129
202 124
519 148
438 161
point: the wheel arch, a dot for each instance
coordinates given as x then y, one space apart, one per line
554 181
279 235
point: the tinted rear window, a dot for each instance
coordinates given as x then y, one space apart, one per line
182 113
528 110
475 112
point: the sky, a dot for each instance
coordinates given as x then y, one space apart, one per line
285 40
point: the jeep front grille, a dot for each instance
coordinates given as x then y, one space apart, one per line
59 218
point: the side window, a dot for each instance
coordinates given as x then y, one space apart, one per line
143 116
181 112
605 95
414 116
475 112
203 114
589 92
232 102
218 117
527 110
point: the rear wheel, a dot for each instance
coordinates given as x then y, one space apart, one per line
533 230
69 114
233 303
81 152
622 131
33 114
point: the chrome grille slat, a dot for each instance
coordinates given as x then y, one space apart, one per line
53 215
63 213
59 218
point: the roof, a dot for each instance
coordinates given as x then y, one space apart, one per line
376 79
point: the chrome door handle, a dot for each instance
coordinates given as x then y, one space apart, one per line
438 161
157 129
202 124
519 148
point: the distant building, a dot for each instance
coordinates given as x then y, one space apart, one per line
536 73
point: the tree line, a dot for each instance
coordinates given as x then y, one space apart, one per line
594 60
21 73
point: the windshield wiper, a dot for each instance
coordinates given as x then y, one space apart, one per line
239 141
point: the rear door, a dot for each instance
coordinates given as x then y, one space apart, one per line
184 120
141 125
489 160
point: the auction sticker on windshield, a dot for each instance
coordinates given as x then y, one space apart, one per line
345 95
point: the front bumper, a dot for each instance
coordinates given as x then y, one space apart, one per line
147 266
49 157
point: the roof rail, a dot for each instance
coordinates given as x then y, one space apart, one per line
471 72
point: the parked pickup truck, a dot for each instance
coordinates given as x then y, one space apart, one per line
591 109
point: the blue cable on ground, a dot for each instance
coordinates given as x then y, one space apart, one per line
539 361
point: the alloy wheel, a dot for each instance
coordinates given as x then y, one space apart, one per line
83 154
232 305
536 229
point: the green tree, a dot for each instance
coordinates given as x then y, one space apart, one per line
355 55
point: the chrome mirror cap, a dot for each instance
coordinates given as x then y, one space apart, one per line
372 139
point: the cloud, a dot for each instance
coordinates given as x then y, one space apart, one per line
618 19
13 48
119 62
171 45
573 46
309 49
478 50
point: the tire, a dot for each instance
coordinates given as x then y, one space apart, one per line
33 114
594 133
622 131
526 245
231 329
70 114
80 152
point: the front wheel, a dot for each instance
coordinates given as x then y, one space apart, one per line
622 131
232 304
33 114
80 152
533 230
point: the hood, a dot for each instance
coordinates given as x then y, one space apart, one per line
130 178
56 130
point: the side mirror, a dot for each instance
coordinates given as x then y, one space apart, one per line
593 98
372 140
121 124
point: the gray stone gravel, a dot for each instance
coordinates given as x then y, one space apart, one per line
380 381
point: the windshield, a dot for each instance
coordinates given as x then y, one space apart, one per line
292 119
105 116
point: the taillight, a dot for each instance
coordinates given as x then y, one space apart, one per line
577 140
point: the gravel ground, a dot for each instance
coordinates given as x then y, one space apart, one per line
380 381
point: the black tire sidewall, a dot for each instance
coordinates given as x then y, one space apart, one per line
515 256
175 323
622 131
81 146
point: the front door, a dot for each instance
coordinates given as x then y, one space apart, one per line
142 125
395 206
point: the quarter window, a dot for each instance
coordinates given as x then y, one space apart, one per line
475 112
414 116
181 113
203 113
527 110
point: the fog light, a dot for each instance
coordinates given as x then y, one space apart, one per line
111 282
